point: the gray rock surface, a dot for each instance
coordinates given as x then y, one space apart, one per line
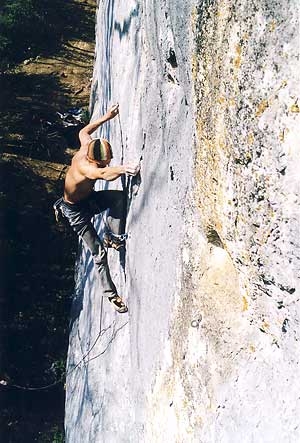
209 351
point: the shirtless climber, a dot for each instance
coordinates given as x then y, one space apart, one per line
80 202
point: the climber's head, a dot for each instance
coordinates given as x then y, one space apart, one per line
100 152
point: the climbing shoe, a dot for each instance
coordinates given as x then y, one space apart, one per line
118 304
114 241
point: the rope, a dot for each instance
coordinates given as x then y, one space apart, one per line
125 185
60 380
122 143
65 373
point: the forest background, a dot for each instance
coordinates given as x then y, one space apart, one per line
46 62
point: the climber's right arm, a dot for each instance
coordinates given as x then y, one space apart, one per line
85 133
111 173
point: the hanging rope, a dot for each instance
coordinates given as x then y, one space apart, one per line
66 373
123 177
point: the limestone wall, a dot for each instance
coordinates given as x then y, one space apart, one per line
209 351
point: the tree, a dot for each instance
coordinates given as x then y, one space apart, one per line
28 27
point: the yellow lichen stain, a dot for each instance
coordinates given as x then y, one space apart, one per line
185 403
272 25
221 12
219 226
194 17
195 65
221 100
199 128
281 135
250 138
248 156
238 59
222 145
283 84
264 104
231 102
265 326
295 108
252 348
245 306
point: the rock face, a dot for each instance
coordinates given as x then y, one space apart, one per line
209 351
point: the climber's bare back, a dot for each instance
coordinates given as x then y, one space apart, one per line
77 185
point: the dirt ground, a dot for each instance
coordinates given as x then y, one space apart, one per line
37 256
35 90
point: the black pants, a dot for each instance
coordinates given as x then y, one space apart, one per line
79 216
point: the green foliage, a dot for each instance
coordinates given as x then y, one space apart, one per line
55 435
58 368
85 116
58 437
36 261
16 21
26 28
